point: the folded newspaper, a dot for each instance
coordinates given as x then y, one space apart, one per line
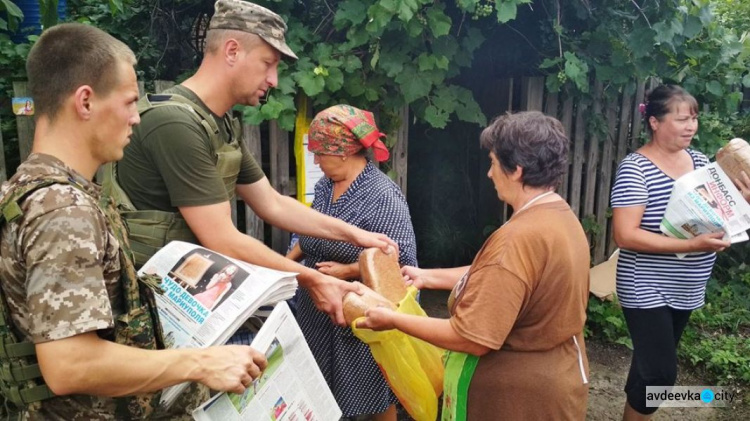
704 201
208 296
291 388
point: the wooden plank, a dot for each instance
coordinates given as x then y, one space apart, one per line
604 184
626 107
576 168
24 123
532 93
279 157
637 125
251 138
551 106
592 156
162 85
399 154
141 89
500 97
567 121
3 166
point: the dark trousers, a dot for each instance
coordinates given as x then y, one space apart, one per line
655 333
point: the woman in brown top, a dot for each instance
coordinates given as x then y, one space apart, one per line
515 335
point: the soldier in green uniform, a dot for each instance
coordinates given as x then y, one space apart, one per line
70 297
186 163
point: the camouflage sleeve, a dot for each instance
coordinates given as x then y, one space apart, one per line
66 291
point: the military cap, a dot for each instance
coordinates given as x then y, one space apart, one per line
244 16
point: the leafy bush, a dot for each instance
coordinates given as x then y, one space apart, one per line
606 321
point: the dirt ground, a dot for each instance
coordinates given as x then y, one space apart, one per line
608 366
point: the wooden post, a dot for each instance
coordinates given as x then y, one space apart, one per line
592 157
401 149
604 184
567 121
622 137
635 131
24 123
279 148
532 93
579 140
550 107
251 138
162 85
141 89
3 167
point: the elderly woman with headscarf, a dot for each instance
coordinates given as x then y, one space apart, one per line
357 192
515 332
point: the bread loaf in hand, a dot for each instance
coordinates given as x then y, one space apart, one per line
734 157
382 273
355 305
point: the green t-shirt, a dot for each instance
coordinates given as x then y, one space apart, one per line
169 163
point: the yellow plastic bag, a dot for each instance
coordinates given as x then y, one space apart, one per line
412 367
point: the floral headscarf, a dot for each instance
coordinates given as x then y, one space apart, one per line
343 130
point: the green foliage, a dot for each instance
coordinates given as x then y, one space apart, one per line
605 320
718 336
678 41
13 13
379 55
160 33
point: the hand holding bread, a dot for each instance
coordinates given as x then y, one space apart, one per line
734 159
384 285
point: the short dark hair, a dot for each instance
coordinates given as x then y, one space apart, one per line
216 37
530 140
71 55
661 100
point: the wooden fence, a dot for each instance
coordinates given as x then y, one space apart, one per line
602 132
279 168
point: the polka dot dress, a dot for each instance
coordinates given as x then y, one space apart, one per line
374 203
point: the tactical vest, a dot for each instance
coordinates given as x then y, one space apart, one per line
21 382
150 230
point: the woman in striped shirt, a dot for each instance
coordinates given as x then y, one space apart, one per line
657 290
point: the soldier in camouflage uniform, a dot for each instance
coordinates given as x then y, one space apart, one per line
64 268
171 166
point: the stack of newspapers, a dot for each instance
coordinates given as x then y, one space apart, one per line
291 388
208 296
705 201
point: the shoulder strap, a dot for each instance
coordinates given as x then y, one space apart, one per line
10 205
21 381
151 101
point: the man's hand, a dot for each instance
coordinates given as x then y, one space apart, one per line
231 368
369 239
339 270
328 294
378 318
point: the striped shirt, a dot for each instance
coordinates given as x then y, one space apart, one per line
649 280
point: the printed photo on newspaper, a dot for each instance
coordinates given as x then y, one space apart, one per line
291 388
208 296
704 201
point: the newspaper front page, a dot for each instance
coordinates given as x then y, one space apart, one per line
291 388
208 296
704 201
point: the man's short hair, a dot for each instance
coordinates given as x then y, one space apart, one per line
215 38
68 56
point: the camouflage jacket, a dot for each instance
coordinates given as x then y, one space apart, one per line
60 267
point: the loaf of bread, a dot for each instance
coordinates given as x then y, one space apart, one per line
382 273
734 158
355 305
